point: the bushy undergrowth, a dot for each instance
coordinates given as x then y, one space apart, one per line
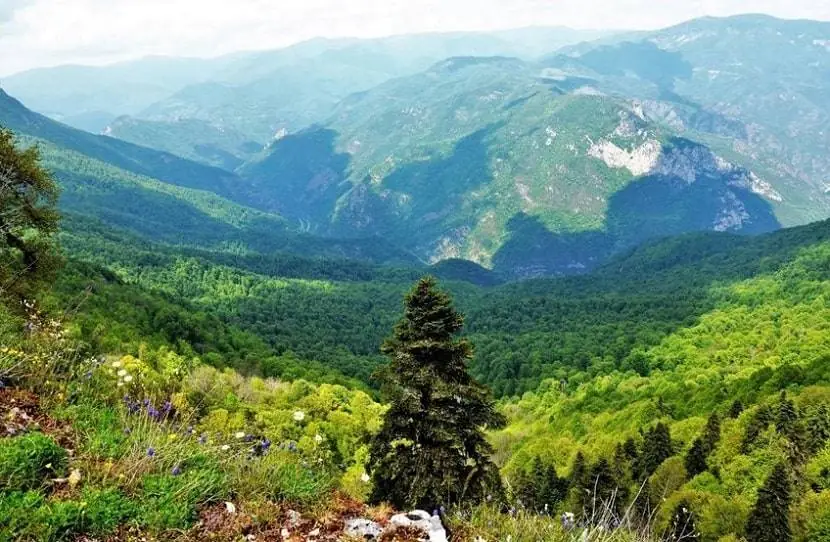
158 437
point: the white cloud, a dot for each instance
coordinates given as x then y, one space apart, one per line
50 32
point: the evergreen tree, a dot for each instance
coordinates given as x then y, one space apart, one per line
630 449
657 447
28 220
431 449
603 490
769 519
683 524
787 416
736 409
579 481
819 424
757 425
695 460
711 433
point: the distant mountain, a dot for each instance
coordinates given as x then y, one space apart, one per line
108 183
504 163
256 94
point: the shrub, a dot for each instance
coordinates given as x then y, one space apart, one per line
26 461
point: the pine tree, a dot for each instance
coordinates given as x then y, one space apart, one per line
695 460
630 449
657 447
711 433
769 519
757 425
604 490
431 449
736 409
787 415
28 220
683 524
579 482
819 424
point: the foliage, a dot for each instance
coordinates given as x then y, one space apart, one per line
28 220
431 449
769 520
27 461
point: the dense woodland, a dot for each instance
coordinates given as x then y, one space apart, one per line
169 353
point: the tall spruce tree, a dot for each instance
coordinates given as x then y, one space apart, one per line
769 520
819 424
695 460
431 449
657 447
28 220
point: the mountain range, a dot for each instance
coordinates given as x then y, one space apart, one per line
524 152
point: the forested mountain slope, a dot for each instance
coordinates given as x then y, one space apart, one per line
164 197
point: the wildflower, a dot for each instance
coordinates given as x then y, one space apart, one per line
318 438
128 378
127 430
189 429
122 372
299 416
151 452
364 478
225 448
172 436
176 470
240 435
116 364
167 407
88 375
202 439
265 444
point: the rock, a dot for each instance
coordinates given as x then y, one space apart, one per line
363 528
418 519
294 519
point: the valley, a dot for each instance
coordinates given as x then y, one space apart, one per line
633 227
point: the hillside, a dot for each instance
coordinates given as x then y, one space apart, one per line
163 197
473 169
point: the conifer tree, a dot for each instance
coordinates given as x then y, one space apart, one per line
579 482
711 433
769 519
431 449
757 425
604 489
787 415
695 460
736 409
657 447
819 425
28 220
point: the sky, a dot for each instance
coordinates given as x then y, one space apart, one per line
37 33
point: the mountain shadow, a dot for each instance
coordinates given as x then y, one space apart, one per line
644 59
302 177
431 194
676 199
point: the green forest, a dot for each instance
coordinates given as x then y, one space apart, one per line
680 390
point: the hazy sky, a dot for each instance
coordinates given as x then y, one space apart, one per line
48 32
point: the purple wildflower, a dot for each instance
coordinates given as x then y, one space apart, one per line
127 430
151 452
202 439
189 429
176 470
88 375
